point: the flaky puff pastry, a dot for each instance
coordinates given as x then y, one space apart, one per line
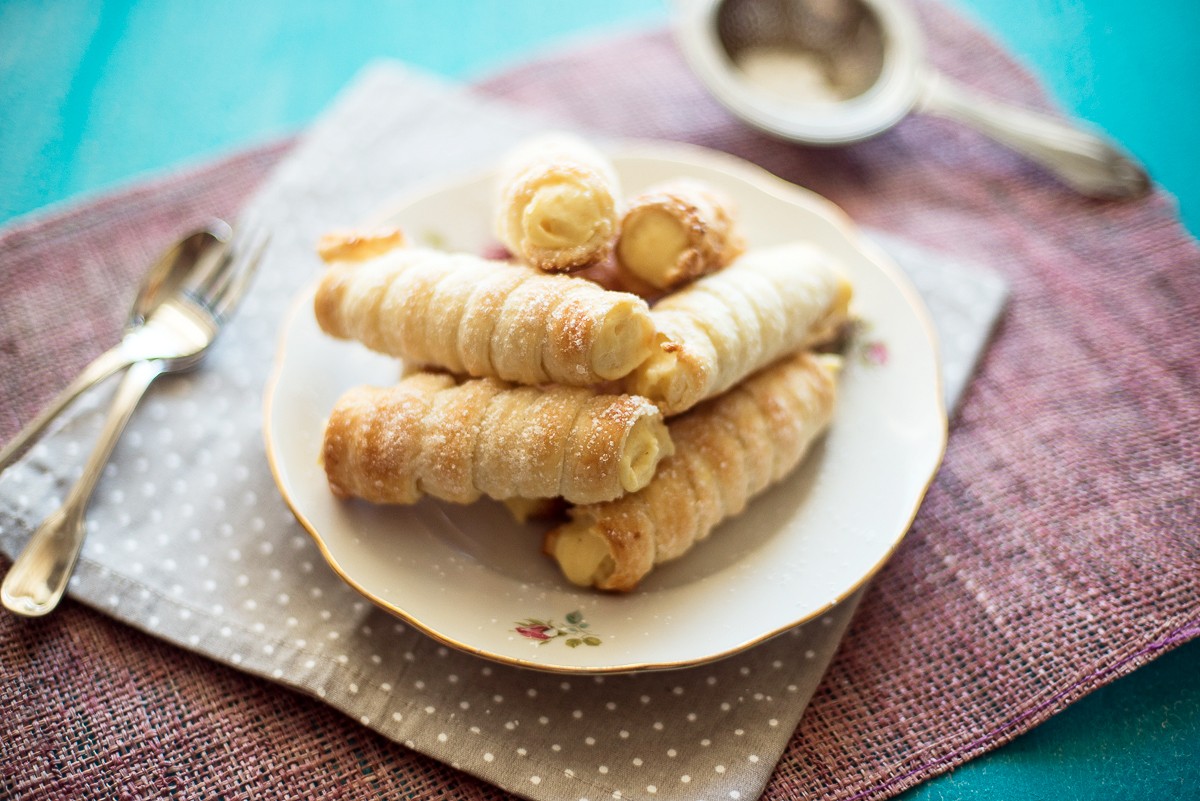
431 435
485 318
723 327
557 208
726 451
358 245
676 232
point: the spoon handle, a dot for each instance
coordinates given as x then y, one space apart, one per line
103 366
36 581
1087 162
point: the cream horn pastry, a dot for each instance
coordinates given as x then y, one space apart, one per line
727 450
428 435
557 207
478 317
676 232
719 329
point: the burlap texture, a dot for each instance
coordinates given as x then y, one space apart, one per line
1056 551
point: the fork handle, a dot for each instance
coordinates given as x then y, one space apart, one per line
103 366
36 581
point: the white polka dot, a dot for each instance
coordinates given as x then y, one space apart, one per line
753 757
488 757
685 778
650 788
396 716
603 768
772 722
442 737
637 761
535 779
719 768
365 720
672 753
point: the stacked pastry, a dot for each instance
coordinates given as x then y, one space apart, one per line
544 387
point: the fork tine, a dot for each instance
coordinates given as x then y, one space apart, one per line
211 277
238 280
216 282
214 264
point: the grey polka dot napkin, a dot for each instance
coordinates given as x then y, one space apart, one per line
189 540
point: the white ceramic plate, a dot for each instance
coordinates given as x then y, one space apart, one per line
469 576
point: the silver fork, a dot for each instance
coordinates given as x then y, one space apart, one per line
179 334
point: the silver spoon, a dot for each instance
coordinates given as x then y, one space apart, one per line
829 72
159 283
175 337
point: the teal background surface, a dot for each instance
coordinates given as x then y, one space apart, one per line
95 95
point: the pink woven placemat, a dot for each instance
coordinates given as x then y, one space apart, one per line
1056 549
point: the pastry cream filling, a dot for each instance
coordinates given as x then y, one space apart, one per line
647 444
623 340
562 215
661 380
652 242
583 554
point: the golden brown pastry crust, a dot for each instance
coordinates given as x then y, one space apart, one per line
358 245
485 318
557 207
676 232
429 435
727 450
721 328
